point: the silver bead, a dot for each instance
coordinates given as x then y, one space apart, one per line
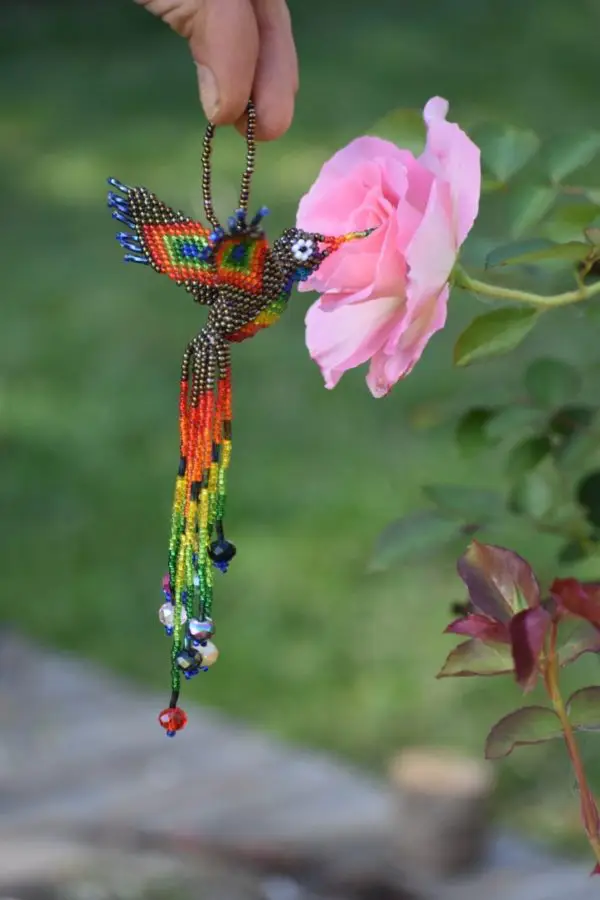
166 614
200 630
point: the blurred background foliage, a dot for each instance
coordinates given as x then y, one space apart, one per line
316 646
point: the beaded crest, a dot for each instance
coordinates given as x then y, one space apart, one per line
246 285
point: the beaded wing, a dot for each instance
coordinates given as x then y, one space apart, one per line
246 286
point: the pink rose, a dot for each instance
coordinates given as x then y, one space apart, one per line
383 297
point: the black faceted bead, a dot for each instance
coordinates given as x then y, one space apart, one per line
188 662
221 551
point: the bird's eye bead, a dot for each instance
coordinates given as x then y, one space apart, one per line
302 249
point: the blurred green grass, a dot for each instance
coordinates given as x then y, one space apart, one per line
312 648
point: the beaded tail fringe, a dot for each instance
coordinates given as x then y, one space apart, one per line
246 286
197 543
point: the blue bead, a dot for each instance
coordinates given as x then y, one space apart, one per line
129 242
238 253
130 257
118 202
240 214
170 733
168 630
117 184
213 237
121 217
191 250
262 212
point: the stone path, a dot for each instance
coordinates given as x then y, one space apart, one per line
77 748
80 754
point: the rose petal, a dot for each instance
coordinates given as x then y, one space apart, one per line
451 155
385 369
333 204
430 256
347 336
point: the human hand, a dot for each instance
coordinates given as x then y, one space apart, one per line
241 48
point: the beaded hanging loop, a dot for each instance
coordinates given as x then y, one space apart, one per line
246 286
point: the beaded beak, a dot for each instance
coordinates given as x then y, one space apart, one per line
246 286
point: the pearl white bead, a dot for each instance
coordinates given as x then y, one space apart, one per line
166 614
209 653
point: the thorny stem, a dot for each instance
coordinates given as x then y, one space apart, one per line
589 810
485 289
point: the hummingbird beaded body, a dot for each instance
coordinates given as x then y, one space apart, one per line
246 285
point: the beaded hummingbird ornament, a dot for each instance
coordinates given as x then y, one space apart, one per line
246 286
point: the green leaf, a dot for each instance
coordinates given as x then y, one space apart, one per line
550 382
532 495
406 538
581 637
528 725
505 149
405 128
567 153
583 708
526 455
519 253
471 430
570 420
528 206
468 504
588 495
580 445
473 657
570 220
500 582
514 422
494 333
572 552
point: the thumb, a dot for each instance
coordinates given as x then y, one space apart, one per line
223 39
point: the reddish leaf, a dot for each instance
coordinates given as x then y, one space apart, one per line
528 725
500 582
584 709
482 627
476 658
595 870
577 599
581 638
528 632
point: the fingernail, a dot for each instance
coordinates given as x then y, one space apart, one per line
209 92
